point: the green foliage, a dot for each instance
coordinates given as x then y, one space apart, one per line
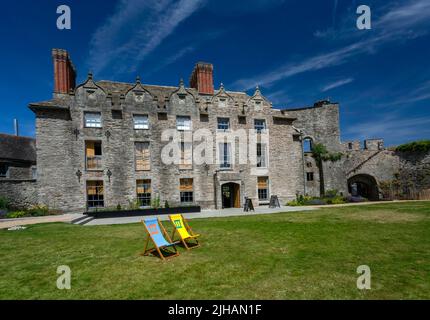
38 211
4 203
155 202
332 197
320 153
166 204
118 207
33 211
17 214
416 146
331 193
133 204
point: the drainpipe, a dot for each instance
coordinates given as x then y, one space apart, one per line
303 162
215 193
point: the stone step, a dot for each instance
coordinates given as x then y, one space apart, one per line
82 220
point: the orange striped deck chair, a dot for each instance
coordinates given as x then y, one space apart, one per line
186 235
157 234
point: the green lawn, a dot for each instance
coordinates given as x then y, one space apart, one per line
301 255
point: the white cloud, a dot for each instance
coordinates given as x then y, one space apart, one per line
136 29
337 84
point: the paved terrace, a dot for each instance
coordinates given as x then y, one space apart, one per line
200 215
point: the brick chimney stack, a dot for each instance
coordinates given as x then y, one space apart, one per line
202 78
64 72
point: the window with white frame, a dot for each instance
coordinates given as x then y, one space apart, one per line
261 155
183 123
93 119
225 155
260 125
141 122
223 124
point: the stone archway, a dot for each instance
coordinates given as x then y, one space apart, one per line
230 195
364 185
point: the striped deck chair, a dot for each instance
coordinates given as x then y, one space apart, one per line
157 234
183 229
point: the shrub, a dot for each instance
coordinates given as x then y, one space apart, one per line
331 193
166 204
4 203
337 200
416 146
17 214
38 211
356 199
155 203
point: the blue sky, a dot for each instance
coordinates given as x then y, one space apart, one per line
298 51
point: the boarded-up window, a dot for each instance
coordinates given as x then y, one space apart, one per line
263 188
143 190
186 156
143 156
93 154
95 197
186 190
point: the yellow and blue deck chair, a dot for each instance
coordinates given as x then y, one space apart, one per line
183 229
157 234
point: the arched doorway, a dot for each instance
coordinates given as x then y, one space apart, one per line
230 193
364 185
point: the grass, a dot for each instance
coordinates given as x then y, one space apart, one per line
300 255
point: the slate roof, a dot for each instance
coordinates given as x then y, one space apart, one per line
17 148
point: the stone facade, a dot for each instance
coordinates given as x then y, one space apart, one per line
61 138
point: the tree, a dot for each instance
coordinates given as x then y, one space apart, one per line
321 155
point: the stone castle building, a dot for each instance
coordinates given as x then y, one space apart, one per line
99 144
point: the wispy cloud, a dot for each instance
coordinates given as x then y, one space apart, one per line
279 97
170 60
136 29
388 29
392 127
337 84
421 93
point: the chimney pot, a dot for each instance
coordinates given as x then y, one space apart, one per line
202 78
64 72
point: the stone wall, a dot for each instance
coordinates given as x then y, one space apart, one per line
20 193
415 171
321 124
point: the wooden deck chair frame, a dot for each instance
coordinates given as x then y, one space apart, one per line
157 249
194 236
